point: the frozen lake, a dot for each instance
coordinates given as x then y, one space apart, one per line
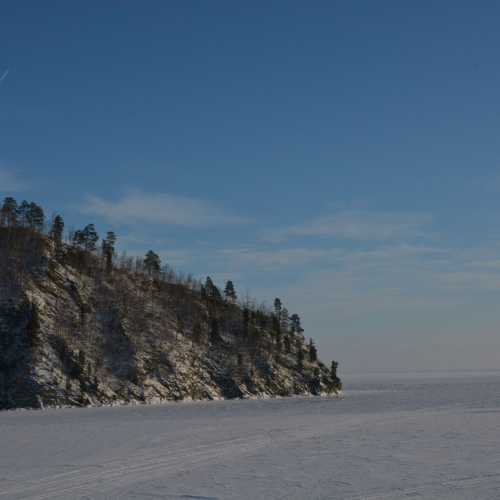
393 436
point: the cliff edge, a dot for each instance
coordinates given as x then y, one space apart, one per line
77 330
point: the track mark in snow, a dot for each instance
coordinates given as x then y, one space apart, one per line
435 489
198 497
393 446
122 474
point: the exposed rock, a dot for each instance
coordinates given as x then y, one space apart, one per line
72 334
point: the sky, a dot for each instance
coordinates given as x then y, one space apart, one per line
344 156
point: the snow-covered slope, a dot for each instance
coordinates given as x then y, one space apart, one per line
425 439
72 333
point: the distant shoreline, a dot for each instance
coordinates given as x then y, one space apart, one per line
422 374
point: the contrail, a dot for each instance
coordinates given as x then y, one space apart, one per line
4 76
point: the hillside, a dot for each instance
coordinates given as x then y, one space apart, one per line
78 326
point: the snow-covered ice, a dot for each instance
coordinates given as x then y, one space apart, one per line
392 437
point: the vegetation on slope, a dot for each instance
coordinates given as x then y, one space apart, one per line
81 325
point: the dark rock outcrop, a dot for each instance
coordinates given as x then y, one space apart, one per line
71 333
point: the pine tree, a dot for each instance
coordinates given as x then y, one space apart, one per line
86 239
108 250
23 214
77 239
229 292
211 290
29 215
152 264
277 308
333 370
284 321
313 352
296 326
56 232
90 238
36 217
8 212
209 285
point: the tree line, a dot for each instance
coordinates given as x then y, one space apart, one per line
82 248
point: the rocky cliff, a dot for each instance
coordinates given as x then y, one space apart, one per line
75 332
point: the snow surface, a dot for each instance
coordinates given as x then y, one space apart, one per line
391 437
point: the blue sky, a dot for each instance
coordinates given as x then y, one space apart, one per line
342 155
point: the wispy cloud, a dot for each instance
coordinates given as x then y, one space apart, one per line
390 282
160 208
10 181
4 75
359 225
263 260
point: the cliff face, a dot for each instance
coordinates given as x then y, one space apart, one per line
72 333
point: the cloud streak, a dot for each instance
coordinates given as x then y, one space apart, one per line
359 226
161 208
4 75
266 260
